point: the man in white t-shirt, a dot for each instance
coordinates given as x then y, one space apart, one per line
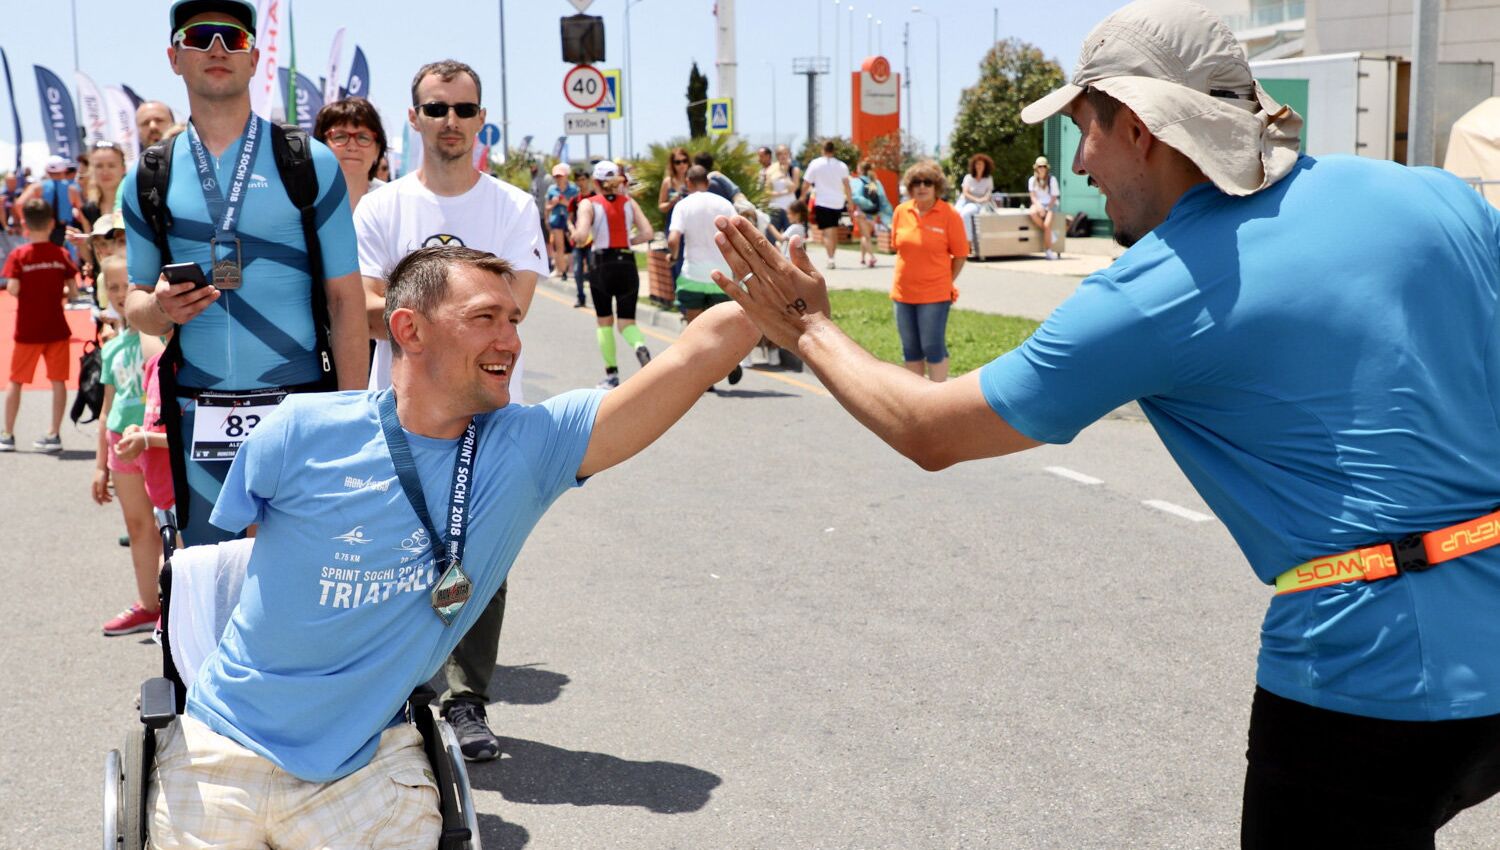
446 202
691 237
827 179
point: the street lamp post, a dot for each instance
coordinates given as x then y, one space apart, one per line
836 65
629 84
504 102
937 107
772 66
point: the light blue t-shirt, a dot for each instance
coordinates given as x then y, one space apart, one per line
260 335
335 626
558 216
1320 358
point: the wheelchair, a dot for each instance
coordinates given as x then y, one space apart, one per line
162 699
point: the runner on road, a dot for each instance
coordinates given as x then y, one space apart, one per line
609 224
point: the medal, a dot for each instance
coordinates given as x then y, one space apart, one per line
451 592
226 274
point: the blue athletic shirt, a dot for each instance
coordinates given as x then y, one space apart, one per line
260 335
335 626
1320 358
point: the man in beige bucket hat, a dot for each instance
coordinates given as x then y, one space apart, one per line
1313 340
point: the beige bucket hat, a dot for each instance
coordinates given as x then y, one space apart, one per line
1179 68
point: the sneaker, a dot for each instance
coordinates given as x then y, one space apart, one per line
474 736
735 374
7 442
131 620
1051 254
579 305
50 444
125 540
609 382
643 354
830 264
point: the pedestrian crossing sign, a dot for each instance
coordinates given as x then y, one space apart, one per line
721 116
614 102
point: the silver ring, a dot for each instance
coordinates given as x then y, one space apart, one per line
742 280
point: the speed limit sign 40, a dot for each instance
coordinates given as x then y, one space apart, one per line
584 87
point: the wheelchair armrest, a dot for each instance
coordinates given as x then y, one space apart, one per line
158 702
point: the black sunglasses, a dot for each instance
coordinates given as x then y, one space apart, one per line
437 109
923 181
679 162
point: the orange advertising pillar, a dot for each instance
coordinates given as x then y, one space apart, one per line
876 107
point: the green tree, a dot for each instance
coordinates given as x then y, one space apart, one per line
697 105
731 156
844 151
1012 74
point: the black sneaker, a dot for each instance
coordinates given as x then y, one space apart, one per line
475 739
643 354
735 374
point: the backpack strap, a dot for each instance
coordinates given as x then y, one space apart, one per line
152 178
294 161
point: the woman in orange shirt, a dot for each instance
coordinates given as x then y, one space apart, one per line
930 244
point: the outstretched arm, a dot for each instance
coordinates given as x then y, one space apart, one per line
935 425
631 417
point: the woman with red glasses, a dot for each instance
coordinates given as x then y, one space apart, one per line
351 128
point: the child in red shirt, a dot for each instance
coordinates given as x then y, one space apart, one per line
42 277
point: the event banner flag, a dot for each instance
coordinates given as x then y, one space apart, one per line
359 76
331 82
121 115
135 99
94 109
15 114
263 88
58 117
309 100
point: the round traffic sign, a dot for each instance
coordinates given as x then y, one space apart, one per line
584 87
489 135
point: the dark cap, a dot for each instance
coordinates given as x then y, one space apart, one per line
242 11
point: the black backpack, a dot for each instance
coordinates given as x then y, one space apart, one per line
293 151
90 396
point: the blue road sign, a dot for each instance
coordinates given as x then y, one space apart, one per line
489 135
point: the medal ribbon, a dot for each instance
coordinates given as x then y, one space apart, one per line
225 213
458 507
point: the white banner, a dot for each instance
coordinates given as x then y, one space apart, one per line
264 92
331 82
91 104
120 113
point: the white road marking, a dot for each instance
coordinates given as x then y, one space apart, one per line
1069 474
1176 510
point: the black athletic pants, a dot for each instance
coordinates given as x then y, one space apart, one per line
1323 779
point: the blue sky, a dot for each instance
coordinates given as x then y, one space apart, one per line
125 42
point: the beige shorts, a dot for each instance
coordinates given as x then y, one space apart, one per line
208 791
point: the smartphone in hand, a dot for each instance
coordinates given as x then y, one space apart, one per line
184 273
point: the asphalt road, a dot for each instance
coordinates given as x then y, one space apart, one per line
767 631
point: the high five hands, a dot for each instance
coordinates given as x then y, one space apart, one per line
783 297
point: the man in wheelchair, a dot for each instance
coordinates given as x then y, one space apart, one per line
386 520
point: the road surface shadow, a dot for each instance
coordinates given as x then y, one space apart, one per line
525 684
496 833
539 774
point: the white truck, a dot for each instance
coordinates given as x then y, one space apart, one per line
1352 102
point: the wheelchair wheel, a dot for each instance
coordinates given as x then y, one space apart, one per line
114 781
132 835
461 774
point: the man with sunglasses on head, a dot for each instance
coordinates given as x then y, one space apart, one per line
446 202
247 335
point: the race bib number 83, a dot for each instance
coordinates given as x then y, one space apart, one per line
223 421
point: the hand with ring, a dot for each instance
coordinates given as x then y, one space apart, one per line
781 296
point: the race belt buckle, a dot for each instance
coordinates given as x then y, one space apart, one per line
227 273
222 421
